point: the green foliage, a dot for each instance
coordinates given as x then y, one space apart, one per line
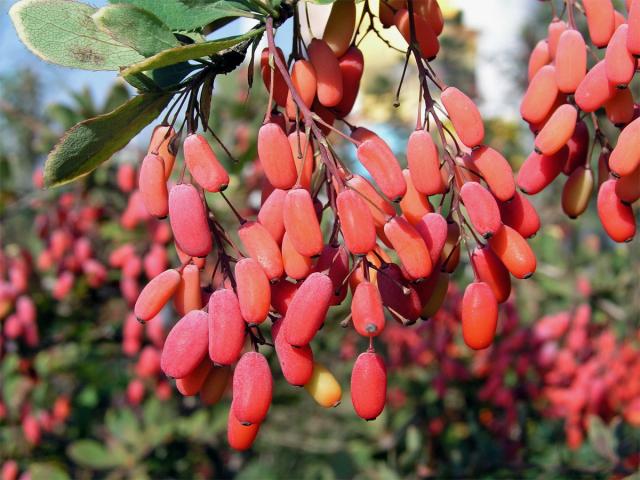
192 14
135 27
93 141
70 37
188 52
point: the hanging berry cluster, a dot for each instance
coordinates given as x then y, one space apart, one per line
569 82
392 236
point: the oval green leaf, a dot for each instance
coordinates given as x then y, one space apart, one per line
136 28
93 141
191 14
62 32
188 52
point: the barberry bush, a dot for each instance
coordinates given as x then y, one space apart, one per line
264 241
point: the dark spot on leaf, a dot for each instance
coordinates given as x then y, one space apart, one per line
87 55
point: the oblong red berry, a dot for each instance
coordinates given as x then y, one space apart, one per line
296 265
153 186
351 67
186 345
303 77
625 157
514 252
328 72
571 61
425 36
410 247
482 208
275 156
356 222
616 217
398 296
577 191
254 291
376 156
308 309
520 215
380 208
203 164
369 385
270 214
227 328
280 89
628 187
192 383
296 363
188 220
301 223
554 31
495 171
155 295
620 64
424 163
479 315
340 26
620 108
414 205
594 89
464 115
540 96
539 170
600 20
252 388
633 34
538 58
433 229
557 131
239 436
490 270
367 310
261 246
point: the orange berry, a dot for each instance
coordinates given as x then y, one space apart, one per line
186 345
153 186
600 20
495 171
557 131
464 116
479 315
155 295
203 164
482 208
594 89
617 217
571 61
308 309
301 223
275 156
367 311
303 77
254 291
261 246
280 89
577 192
425 36
490 270
296 265
620 64
625 157
356 222
188 220
376 156
414 205
160 145
424 163
252 388
514 252
351 67
227 328
540 96
410 247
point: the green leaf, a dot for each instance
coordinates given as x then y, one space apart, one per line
47 471
135 27
62 32
91 142
191 14
188 52
92 454
118 95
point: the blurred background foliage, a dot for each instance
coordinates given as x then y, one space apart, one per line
451 413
